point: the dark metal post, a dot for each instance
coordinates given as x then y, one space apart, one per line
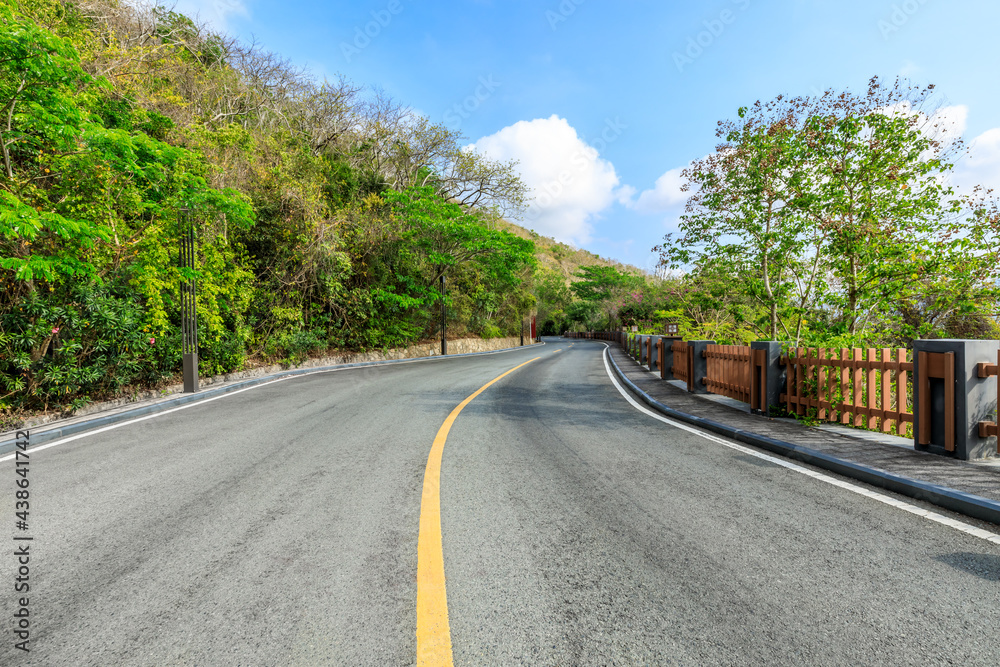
950 397
522 332
444 323
189 305
698 366
654 352
768 381
667 371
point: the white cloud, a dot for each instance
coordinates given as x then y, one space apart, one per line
570 181
982 164
949 123
666 193
625 194
984 150
909 69
213 12
945 124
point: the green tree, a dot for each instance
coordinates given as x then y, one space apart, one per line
880 195
39 75
746 206
447 234
604 286
552 296
583 313
831 209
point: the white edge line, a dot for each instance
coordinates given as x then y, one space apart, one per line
854 488
71 438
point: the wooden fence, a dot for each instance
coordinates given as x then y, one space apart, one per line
869 388
866 388
991 428
682 361
729 372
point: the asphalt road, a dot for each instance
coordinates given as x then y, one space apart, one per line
279 526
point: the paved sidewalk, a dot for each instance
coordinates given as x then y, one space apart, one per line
980 479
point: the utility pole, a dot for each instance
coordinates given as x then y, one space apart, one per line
444 321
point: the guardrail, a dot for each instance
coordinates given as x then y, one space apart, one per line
728 371
990 429
681 368
943 393
864 388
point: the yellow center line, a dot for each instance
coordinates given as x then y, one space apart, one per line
433 630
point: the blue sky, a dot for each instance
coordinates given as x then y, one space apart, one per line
604 102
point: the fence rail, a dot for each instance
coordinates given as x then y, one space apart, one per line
933 394
682 361
991 428
729 371
865 388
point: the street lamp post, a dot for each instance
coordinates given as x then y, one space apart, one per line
189 306
444 322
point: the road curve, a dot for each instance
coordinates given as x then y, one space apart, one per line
279 526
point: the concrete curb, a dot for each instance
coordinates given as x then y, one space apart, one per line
942 496
37 438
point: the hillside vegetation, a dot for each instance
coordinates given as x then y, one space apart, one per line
325 212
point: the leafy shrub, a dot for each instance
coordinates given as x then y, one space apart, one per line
299 344
61 347
224 354
491 331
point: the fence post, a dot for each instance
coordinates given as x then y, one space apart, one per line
952 427
642 349
698 365
767 382
668 357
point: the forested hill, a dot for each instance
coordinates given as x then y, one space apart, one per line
325 212
562 258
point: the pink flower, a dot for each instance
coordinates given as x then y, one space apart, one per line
152 341
55 330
